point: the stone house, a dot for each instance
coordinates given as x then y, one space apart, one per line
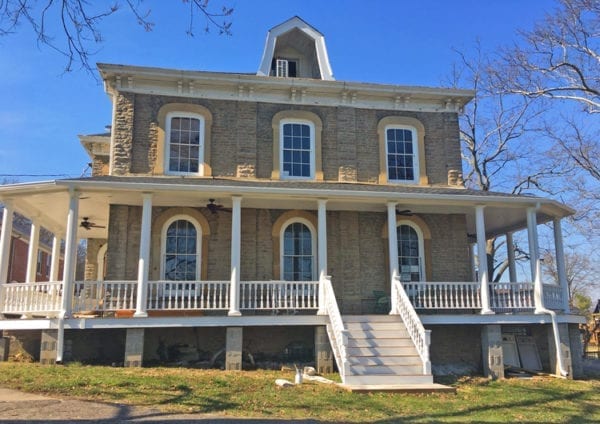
286 211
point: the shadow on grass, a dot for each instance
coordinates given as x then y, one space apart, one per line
541 403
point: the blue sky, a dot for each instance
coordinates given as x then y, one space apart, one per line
397 42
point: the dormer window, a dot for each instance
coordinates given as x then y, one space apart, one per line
284 68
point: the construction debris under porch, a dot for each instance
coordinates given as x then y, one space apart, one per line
460 344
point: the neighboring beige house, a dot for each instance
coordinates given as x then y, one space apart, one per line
286 213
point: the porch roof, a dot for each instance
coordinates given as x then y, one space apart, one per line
48 201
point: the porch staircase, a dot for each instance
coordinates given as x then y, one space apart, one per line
380 351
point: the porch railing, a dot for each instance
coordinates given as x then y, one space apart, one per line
511 296
338 335
443 295
285 295
553 297
420 337
27 298
104 296
188 295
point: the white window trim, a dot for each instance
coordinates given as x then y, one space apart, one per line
311 125
415 145
313 247
415 227
163 243
168 118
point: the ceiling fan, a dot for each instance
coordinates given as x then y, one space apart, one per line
88 225
404 212
214 208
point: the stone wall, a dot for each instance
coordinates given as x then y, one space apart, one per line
241 143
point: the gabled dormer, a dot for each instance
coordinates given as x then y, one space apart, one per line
295 49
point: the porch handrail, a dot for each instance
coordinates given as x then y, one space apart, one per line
553 296
101 296
340 334
25 298
443 295
188 295
419 335
279 294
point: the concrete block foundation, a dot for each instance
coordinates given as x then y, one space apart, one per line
48 347
233 348
323 352
134 347
491 347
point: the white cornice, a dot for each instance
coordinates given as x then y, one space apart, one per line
301 91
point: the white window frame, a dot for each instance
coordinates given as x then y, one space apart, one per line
415 154
313 246
163 245
421 247
201 128
284 175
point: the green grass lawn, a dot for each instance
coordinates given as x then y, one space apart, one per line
254 394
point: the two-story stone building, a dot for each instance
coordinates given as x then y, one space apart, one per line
261 212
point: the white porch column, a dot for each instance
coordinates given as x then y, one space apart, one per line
534 259
55 260
32 251
70 253
510 250
236 242
322 252
144 257
393 252
560 263
472 247
5 237
482 259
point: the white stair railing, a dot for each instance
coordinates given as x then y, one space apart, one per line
340 334
419 335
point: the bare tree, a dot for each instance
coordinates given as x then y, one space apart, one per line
580 271
72 27
496 131
560 57
557 64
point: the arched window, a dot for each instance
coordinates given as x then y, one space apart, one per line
298 251
411 258
185 143
181 249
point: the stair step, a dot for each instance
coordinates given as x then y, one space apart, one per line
414 369
378 351
371 318
379 342
387 379
385 360
377 334
395 326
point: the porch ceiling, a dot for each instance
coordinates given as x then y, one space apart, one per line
48 202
